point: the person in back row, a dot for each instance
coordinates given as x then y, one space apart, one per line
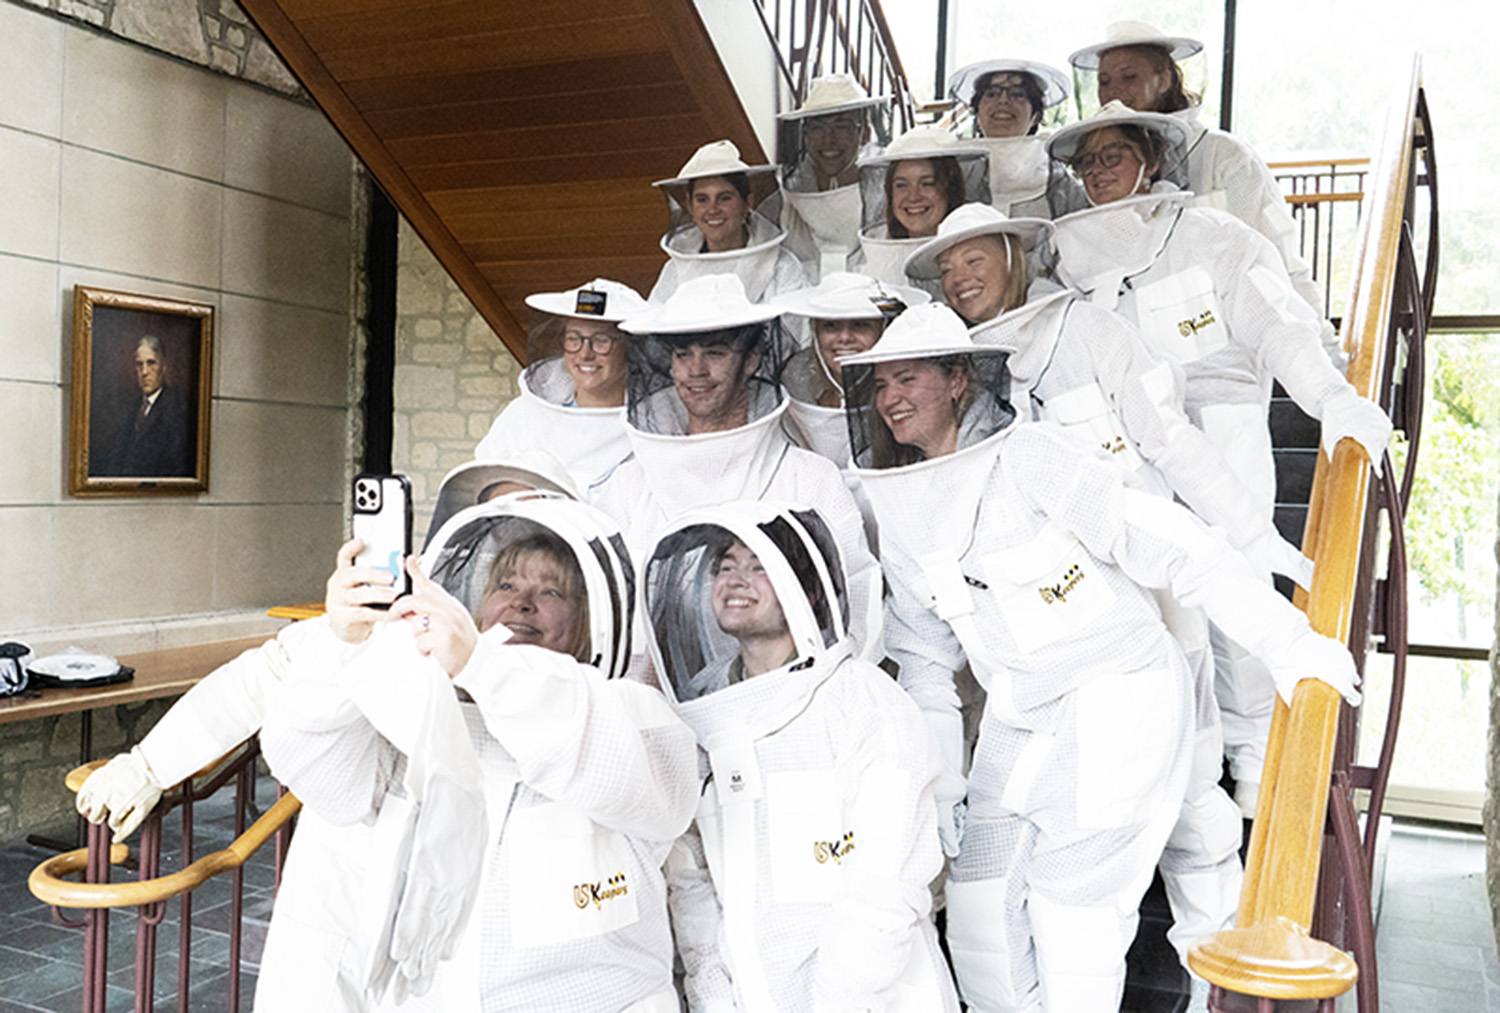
1209 295
715 207
819 147
1008 100
1138 66
803 884
573 390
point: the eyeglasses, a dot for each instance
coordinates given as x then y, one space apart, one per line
844 125
1106 157
600 343
1004 92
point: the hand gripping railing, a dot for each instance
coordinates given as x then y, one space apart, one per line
814 37
1308 781
96 895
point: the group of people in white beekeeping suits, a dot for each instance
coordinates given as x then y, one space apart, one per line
907 549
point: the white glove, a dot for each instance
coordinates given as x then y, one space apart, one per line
1314 656
442 880
1361 420
1269 552
951 814
124 791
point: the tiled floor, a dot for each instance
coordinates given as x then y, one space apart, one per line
1436 951
41 962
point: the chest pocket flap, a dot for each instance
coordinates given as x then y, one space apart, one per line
570 878
1087 414
1180 316
1049 587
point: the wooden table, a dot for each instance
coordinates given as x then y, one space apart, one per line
169 672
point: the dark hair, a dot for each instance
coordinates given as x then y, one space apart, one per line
885 452
1176 97
739 180
950 180
1034 94
1147 145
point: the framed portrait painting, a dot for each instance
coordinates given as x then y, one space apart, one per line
142 389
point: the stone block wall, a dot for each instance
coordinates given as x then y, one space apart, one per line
453 375
211 33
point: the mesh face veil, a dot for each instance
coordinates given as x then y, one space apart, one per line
719 576
818 140
574 347
962 175
924 391
581 545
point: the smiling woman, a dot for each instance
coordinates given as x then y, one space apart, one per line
535 590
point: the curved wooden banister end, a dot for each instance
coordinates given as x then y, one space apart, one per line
1276 960
48 885
45 878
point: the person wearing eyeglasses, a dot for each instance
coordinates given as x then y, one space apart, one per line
572 395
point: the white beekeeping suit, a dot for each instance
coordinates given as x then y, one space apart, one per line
586 778
1207 293
803 884
691 453
818 146
1015 550
758 258
572 392
885 241
1223 172
1023 179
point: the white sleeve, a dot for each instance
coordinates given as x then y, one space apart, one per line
1267 316
225 708
696 925
929 654
883 897
611 747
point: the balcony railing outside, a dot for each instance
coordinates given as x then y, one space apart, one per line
1326 199
815 37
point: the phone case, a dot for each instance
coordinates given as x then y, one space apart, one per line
382 520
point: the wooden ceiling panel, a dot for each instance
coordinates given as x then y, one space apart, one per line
543 81
609 36
650 164
542 224
551 196
641 105
519 137
553 140
335 32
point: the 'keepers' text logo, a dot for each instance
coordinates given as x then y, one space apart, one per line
835 851
596 894
1191 326
1059 592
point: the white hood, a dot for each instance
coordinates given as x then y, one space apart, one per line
1029 333
885 260
589 442
1099 247
755 264
1018 167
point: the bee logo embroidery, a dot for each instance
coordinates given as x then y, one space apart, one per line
1059 592
1191 326
836 850
1114 445
596 894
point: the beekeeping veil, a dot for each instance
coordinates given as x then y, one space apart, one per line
463 554
1185 52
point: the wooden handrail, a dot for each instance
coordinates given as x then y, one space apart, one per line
48 884
1310 163
1270 952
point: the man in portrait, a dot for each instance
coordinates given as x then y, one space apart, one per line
155 439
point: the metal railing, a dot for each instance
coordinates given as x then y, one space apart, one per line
1293 926
815 37
1326 200
96 896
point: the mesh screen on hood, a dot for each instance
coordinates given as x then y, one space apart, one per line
973 171
654 403
981 411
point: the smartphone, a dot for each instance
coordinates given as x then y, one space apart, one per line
381 519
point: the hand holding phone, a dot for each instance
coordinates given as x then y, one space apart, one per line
381 519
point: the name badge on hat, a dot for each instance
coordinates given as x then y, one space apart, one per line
591 304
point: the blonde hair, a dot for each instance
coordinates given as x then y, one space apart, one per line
566 571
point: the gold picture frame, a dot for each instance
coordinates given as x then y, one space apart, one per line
142 393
